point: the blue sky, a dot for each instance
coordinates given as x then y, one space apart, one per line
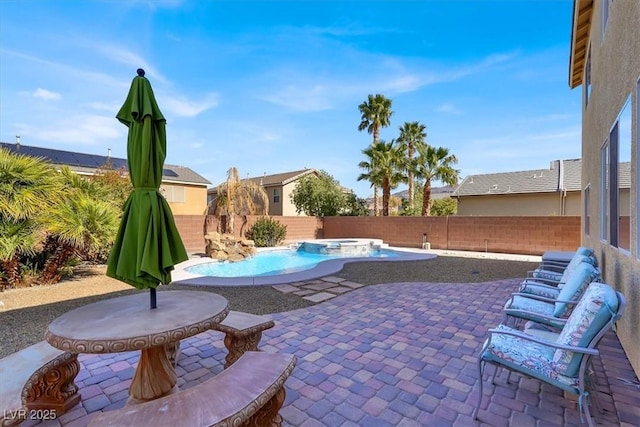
274 86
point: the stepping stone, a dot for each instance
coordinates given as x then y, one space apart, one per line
352 285
320 286
339 290
285 288
319 297
333 279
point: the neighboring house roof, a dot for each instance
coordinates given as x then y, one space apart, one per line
89 163
528 181
582 12
274 180
447 189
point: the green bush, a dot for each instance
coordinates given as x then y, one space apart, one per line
267 232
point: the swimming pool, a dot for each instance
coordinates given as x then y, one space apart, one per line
272 263
294 266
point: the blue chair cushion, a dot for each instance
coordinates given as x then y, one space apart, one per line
596 307
575 286
583 250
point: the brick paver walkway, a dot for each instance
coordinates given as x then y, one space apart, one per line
385 355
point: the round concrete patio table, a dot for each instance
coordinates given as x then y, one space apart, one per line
127 323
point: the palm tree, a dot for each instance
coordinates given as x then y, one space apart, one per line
412 134
385 168
28 186
79 224
376 114
434 164
238 197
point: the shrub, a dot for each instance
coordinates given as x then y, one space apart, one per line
267 232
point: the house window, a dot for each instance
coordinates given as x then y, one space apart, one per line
604 190
636 208
586 215
173 193
587 79
624 131
605 15
614 200
276 195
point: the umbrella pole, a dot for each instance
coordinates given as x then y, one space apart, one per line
152 294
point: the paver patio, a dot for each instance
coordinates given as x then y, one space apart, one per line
385 355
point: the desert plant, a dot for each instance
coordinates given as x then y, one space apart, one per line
267 232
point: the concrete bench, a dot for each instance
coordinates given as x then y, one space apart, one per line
243 332
37 383
249 393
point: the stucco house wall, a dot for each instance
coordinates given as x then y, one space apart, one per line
195 199
541 204
614 77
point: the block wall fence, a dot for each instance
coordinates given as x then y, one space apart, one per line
529 235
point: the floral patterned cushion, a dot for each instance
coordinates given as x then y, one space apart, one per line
540 290
529 304
592 313
526 356
575 286
554 276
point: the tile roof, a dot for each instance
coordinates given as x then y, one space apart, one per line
562 174
88 163
278 178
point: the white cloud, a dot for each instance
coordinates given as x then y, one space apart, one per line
188 108
448 108
77 129
45 94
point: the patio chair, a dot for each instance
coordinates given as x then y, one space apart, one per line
565 362
552 271
550 288
547 310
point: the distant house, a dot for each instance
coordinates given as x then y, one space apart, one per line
395 206
184 190
278 187
537 192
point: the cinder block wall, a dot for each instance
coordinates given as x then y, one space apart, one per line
191 229
518 235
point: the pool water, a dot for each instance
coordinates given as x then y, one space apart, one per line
273 263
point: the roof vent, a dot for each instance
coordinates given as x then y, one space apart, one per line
493 187
470 180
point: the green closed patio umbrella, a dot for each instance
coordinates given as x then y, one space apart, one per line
148 244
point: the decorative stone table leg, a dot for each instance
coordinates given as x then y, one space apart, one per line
268 415
52 386
173 352
154 376
237 346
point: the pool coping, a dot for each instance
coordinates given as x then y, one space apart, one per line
325 268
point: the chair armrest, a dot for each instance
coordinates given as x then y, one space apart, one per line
541 298
542 280
541 341
542 285
533 316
